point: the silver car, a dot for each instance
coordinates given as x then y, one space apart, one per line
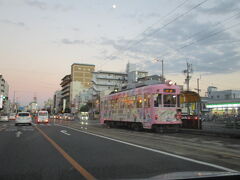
4 118
23 118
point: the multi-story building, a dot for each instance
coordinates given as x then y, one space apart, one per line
65 93
107 81
48 105
81 80
4 89
56 101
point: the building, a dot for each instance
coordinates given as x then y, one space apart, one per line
56 102
81 81
48 105
33 107
133 76
152 78
213 93
4 101
107 81
65 93
223 102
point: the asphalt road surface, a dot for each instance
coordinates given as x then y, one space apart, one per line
49 151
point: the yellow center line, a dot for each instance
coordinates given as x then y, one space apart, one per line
74 163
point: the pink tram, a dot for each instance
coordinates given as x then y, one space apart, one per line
150 107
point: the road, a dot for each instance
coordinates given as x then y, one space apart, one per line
67 151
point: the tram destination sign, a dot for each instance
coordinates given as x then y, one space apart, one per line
169 90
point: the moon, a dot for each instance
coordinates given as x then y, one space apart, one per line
114 6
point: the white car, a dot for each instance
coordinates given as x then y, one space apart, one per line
42 117
12 116
4 118
23 118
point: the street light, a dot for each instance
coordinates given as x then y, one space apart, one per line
158 60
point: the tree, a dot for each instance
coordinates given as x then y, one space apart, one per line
84 108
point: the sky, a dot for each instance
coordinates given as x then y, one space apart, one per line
40 39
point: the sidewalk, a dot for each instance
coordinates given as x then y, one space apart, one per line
215 129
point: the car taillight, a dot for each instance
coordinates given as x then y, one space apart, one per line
178 116
196 118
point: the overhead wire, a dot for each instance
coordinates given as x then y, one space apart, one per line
209 36
167 15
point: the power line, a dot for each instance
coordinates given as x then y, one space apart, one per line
207 37
218 23
168 14
172 21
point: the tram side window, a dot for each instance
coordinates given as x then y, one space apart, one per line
133 102
147 99
169 100
157 100
139 102
178 100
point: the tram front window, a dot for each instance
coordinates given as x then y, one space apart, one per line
169 100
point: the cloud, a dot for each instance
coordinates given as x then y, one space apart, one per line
37 4
69 42
207 54
44 6
19 24
76 29
220 7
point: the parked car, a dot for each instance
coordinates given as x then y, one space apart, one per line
4 118
23 118
12 116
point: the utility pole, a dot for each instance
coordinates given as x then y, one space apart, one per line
157 60
198 90
187 73
198 104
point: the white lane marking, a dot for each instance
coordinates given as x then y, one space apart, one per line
18 134
65 132
155 150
